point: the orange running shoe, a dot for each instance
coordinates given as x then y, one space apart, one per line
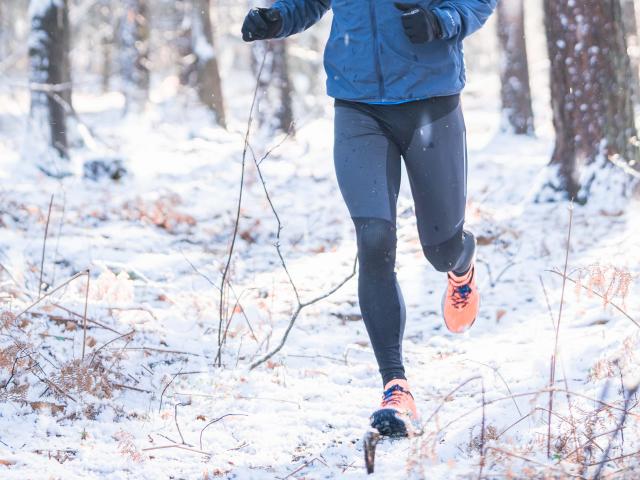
397 416
461 301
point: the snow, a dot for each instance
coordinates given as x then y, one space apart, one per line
304 413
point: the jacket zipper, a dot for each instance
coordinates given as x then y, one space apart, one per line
376 53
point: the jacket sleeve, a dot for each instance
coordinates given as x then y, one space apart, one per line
463 17
298 15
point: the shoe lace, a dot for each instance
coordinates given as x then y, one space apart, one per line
392 396
460 296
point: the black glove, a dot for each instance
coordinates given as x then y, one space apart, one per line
419 24
261 24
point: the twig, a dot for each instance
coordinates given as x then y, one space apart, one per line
552 377
299 308
482 450
183 404
217 420
304 465
620 426
620 309
165 389
110 342
160 350
136 389
181 447
225 271
497 372
84 317
530 460
435 412
44 246
48 294
59 235
95 322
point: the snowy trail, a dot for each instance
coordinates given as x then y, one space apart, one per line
303 414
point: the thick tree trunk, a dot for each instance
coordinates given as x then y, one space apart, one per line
633 44
50 78
514 69
590 94
208 83
134 52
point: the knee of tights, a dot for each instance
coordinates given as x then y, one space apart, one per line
454 254
376 239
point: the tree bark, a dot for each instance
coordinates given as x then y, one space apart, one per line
50 74
633 44
134 52
514 68
208 82
590 95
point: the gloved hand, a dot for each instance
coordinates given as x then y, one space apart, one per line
419 24
261 24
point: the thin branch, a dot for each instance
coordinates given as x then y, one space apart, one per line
183 404
552 377
48 294
295 315
84 317
225 271
620 426
217 420
165 389
620 309
44 247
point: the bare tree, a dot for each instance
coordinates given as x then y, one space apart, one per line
134 51
50 83
590 96
514 69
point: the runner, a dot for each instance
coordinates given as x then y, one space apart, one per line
396 71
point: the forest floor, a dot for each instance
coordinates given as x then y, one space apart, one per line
149 401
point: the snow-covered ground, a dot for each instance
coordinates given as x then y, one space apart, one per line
149 402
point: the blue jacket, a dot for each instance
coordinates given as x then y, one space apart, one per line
368 57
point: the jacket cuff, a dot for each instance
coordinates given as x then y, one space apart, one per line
449 21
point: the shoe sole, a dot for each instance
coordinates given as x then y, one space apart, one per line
388 424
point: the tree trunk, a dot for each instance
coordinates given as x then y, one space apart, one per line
134 48
590 94
514 69
208 83
633 44
284 112
275 108
50 78
106 43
